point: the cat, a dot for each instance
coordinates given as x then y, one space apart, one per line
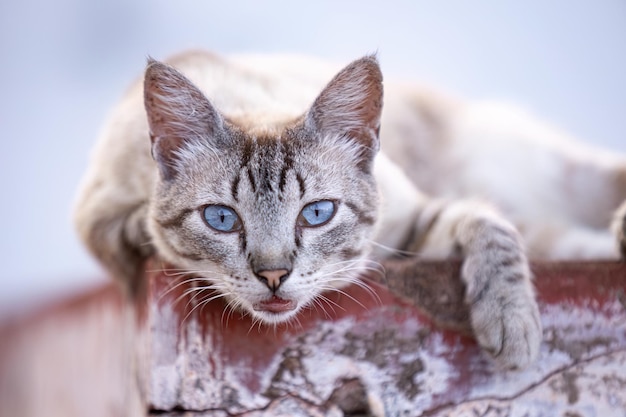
262 174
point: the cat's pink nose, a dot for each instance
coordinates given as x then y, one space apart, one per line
273 278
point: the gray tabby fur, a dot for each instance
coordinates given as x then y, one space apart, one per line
267 135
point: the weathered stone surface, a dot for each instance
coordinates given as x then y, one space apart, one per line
385 352
402 349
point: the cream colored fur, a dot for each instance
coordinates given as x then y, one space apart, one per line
447 170
560 192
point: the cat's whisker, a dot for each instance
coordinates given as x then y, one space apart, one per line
345 294
175 284
295 321
184 320
205 301
330 303
256 321
232 306
317 305
360 267
359 282
173 287
348 268
227 312
169 272
218 295
173 272
179 271
148 242
393 250
198 292
195 289
377 267
188 280
363 285
355 275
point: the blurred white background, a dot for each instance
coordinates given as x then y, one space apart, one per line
64 63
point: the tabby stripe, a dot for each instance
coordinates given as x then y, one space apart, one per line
234 187
251 179
267 184
417 236
363 217
515 277
282 181
509 260
349 253
301 184
287 166
244 241
298 237
247 152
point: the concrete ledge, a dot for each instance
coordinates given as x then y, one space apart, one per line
385 352
400 349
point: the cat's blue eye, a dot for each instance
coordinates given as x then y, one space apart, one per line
221 218
317 213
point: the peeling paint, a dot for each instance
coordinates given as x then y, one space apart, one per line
388 359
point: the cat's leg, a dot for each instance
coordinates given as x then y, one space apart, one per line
495 270
115 233
499 292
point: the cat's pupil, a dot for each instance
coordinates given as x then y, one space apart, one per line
221 218
317 213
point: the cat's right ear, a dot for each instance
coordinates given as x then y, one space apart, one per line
350 106
178 113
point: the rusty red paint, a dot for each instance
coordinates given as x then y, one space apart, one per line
387 336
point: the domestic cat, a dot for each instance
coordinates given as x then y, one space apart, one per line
262 174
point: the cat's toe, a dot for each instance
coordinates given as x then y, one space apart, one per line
510 332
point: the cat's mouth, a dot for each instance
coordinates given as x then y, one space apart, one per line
275 305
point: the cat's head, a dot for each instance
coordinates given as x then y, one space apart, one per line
273 218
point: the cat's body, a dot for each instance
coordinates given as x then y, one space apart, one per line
559 192
270 188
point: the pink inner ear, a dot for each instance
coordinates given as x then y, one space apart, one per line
175 106
351 103
164 153
178 112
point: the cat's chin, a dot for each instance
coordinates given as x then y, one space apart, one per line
275 305
275 310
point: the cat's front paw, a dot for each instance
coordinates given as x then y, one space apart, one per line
500 295
619 229
506 324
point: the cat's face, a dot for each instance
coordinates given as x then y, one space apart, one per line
269 219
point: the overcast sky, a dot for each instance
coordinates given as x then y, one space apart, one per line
64 63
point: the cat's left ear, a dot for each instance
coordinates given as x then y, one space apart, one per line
178 113
350 106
